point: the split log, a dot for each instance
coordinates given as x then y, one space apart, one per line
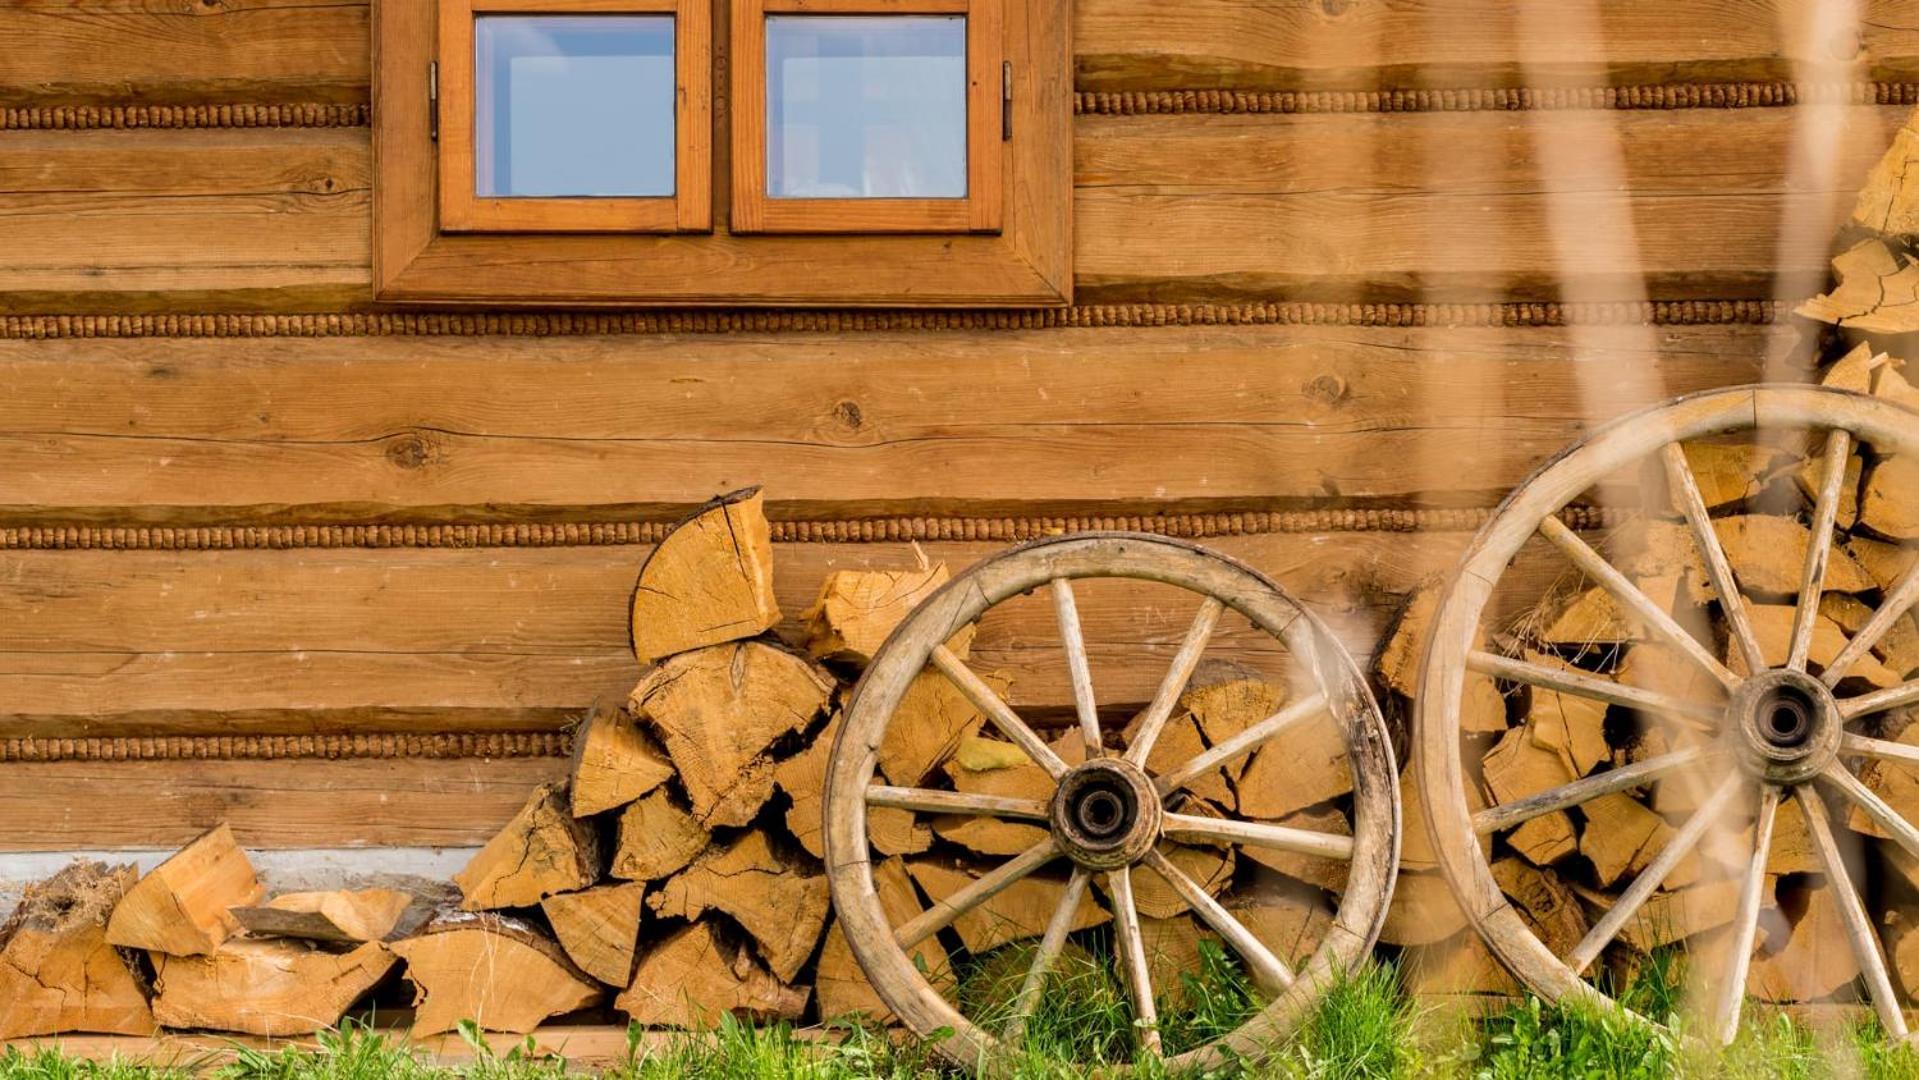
1810 476
692 979
1172 948
932 719
542 851
1571 726
1545 839
778 901
1212 867
497 971
1898 649
183 906
1768 554
1670 916
1816 961
1886 562
1461 964
1662 668
1305 768
1517 767
719 711
983 766
1020 911
1549 907
1792 851
1772 625
1888 201
803 777
271 988
599 928
346 917
1651 549
710 581
1328 874
1877 292
1854 370
57 971
1729 472
1416 851
657 837
614 762
1622 836
1423 912
840 982
1896 783
857 610
1886 504
1593 617
1482 706
1290 922
1180 741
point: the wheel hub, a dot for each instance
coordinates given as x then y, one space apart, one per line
1106 814
1785 726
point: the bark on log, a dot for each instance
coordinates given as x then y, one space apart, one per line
58 973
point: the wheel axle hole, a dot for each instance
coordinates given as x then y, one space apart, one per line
1785 720
1103 812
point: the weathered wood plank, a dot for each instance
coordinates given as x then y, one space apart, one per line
1430 206
1386 44
104 643
270 804
426 429
186 51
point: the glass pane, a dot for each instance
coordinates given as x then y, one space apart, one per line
573 105
866 106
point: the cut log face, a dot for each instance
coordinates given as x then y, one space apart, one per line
657 837
1328 874
542 851
1306 767
1887 563
1416 850
345 917
781 903
1517 767
1768 552
857 610
272 988
720 710
1621 836
1812 472
1663 669
842 985
1549 907
932 720
1172 950
1461 964
599 928
1671 916
1020 911
1886 506
1593 617
57 972
982 766
614 762
1211 866
182 907
1888 203
710 581
1482 707
1572 727
1898 649
1423 911
1545 839
1290 922
1772 625
1896 783
803 778
1728 473
499 972
691 979
1650 549
1816 961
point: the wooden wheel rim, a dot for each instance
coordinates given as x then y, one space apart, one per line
1441 776
1375 851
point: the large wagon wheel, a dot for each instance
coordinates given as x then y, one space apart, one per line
1110 816
1779 733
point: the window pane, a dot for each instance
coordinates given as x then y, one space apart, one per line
573 105
866 106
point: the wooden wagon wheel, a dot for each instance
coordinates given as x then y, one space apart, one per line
1779 733
1109 815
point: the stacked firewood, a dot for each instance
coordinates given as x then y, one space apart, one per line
1563 870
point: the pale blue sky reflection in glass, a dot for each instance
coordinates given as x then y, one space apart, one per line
573 105
869 107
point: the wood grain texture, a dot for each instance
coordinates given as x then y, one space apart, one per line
173 51
437 429
1433 207
270 804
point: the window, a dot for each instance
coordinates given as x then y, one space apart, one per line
865 153
557 121
852 121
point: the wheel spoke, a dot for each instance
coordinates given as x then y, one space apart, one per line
941 914
1881 812
997 710
1718 570
1879 700
1587 686
955 802
1732 992
1812 581
1269 972
1132 958
1897 603
1506 815
1050 945
1649 879
1883 749
1067 608
1174 684
1865 943
1641 605
1242 743
1203 830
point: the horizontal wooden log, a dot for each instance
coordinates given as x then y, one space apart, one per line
270 804
437 429
114 643
1387 44
1429 207
106 51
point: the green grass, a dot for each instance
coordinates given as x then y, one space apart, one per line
1364 1028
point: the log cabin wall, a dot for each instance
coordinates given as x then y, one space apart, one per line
1346 270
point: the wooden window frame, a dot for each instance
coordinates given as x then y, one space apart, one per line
1028 263
688 209
979 210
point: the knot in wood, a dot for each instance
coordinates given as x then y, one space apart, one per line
1327 389
412 450
848 415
